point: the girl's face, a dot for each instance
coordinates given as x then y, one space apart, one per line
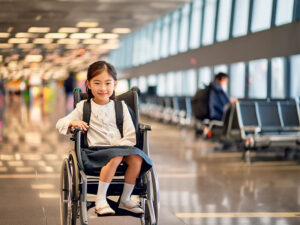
102 87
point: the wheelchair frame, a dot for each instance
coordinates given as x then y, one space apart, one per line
75 184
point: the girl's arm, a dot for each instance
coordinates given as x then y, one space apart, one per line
73 119
129 136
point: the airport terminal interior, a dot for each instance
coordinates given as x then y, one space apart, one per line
239 169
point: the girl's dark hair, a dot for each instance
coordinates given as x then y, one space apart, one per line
95 69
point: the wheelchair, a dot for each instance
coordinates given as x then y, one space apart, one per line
76 183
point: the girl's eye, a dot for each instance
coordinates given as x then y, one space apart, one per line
108 83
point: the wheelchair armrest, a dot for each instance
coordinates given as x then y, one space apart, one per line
145 127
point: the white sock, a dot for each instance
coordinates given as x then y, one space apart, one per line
127 190
101 194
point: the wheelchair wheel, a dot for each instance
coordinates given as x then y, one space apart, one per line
75 185
67 206
151 204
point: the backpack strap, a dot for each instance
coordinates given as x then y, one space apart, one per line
86 118
119 116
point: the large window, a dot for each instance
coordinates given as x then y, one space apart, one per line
161 85
156 41
261 15
224 20
189 82
284 12
295 77
196 24
134 82
241 16
204 77
178 84
220 69
142 84
237 80
174 33
165 37
258 78
184 28
209 22
278 84
171 79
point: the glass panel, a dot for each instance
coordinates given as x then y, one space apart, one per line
278 84
165 37
178 84
171 84
152 80
209 22
295 78
174 33
205 77
122 86
220 69
189 82
134 82
149 43
261 18
284 12
258 78
224 20
184 28
196 24
237 80
241 16
161 85
143 84
156 41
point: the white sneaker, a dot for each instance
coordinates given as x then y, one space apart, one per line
105 210
131 206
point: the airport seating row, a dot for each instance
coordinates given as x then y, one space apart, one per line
251 123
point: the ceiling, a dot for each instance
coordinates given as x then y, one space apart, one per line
17 16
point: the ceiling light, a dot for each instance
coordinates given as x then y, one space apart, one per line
87 24
33 58
68 41
56 35
72 47
109 46
5 45
122 30
107 36
81 35
68 30
51 46
25 35
18 40
94 30
93 41
4 35
39 29
26 46
42 41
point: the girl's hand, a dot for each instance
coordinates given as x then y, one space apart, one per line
80 124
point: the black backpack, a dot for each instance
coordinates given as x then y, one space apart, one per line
119 117
200 103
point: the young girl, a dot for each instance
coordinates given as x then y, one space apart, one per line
102 131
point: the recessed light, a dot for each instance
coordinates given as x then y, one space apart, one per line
87 24
39 29
107 36
121 30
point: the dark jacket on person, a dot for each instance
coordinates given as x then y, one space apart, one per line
217 100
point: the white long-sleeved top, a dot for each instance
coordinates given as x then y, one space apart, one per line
103 129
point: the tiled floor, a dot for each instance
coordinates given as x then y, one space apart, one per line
198 186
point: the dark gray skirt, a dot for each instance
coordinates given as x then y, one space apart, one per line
94 158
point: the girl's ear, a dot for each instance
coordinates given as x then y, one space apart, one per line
115 85
88 84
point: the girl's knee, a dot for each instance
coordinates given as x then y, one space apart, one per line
115 161
135 160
